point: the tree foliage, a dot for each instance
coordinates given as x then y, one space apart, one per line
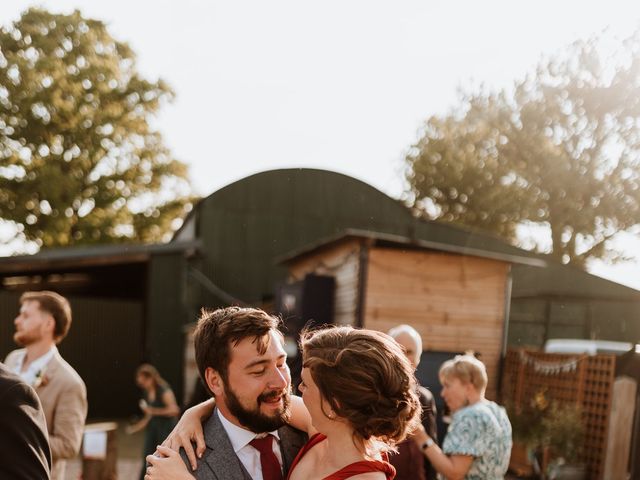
560 150
79 160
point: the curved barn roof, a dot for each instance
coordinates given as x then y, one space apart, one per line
249 224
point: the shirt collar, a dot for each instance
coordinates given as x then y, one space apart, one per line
239 437
40 362
36 367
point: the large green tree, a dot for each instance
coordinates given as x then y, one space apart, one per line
559 151
79 160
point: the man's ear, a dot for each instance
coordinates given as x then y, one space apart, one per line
214 381
50 324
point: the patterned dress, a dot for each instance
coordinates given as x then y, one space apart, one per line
483 431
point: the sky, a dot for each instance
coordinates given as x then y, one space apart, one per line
339 85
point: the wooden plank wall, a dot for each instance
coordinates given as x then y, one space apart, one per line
342 261
455 302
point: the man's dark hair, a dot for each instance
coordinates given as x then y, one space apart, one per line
220 329
55 305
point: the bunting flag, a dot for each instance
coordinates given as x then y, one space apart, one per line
547 367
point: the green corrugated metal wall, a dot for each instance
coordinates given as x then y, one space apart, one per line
166 316
104 345
247 225
534 320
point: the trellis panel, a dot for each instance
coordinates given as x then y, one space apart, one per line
585 381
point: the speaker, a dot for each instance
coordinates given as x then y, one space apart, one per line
306 303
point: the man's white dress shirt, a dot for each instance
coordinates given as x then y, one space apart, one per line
36 370
249 456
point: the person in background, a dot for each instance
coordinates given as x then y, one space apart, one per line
409 462
478 442
160 410
43 322
24 443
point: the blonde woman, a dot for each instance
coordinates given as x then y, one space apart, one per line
478 443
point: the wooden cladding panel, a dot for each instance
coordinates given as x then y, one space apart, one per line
455 302
437 306
342 262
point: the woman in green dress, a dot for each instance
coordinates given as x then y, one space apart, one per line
160 409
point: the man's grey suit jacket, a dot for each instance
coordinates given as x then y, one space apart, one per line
220 462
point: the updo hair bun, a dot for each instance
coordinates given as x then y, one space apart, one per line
366 379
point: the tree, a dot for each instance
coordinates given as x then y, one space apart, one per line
79 161
560 150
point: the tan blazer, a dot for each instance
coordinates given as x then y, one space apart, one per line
64 400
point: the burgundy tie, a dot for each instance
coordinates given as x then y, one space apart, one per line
268 460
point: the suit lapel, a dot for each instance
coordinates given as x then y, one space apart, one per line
220 456
49 373
291 442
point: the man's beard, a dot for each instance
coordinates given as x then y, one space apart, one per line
25 338
255 420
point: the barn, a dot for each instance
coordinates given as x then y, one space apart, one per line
134 303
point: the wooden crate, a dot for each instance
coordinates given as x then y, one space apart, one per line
586 381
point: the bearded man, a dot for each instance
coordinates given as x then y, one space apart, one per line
43 322
241 359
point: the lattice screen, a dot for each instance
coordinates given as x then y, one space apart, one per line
581 380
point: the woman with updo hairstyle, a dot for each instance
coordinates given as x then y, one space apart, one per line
359 389
358 401
478 442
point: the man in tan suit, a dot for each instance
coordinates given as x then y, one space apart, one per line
43 322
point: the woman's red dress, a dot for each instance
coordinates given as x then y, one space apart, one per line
356 468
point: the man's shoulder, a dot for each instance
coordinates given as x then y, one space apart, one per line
202 472
291 442
13 356
216 458
213 429
66 373
292 435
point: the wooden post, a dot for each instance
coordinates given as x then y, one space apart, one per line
623 407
